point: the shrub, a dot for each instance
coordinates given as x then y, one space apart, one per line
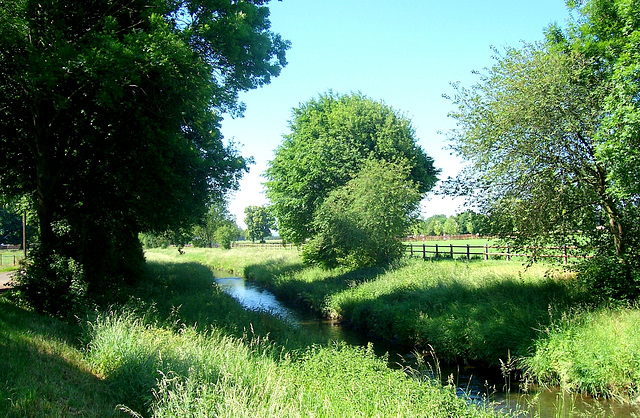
52 284
610 277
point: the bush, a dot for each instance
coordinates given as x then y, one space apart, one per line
610 277
52 284
357 224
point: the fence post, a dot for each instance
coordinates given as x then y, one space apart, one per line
564 253
508 256
486 252
468 253
424 251
451 250
411 249
437 251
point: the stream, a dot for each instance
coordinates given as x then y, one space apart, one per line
479 385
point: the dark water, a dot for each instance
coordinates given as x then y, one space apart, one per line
483 386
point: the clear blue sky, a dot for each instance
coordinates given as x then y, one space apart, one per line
405 53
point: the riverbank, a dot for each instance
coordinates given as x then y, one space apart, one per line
181 347
480 313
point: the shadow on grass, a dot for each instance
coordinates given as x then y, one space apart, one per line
310 289
484 325
41 372
186 293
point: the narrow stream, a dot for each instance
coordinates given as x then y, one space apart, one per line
478 385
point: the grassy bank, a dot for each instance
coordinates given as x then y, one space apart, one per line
487 312
180 347
595 351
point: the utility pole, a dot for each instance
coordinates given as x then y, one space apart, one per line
24 234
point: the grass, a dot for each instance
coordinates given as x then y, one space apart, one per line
596 351
534 320
10 259
181 347
42 370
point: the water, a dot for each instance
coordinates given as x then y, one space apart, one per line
478 385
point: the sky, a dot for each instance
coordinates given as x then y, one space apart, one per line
405 53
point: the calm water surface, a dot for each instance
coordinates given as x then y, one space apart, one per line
485 386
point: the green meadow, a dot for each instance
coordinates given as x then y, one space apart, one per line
536 322
180 347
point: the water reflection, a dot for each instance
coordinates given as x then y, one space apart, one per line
255 299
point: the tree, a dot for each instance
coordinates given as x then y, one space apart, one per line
434 224
259 222
437 227
550 131
109 116
450 226
227 233
528 129
204 232
331 138
358 224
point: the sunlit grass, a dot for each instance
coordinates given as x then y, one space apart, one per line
169 353
594 351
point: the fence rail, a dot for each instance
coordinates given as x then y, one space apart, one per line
270 245
495 251
9 259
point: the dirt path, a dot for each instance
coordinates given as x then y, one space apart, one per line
5 278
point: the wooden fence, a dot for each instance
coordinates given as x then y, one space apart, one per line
9 259
486 251
453 251
269 245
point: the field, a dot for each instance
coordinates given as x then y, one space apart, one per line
537 321
181 347
10 259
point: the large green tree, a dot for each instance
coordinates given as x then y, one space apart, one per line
358 224
109 117
551 134
259 222
331 138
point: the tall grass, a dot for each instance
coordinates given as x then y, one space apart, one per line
590 350
474 312
183 348
42 370
194 373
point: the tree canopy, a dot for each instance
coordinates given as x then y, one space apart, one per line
551 135
331 139
259 222
358 224
109 117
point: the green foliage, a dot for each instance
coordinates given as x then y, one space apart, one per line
10 227
532 166
551 131
357 225
610 277
110 112
204 231
62 277
154 240
226 234
596 351
259 222
331 139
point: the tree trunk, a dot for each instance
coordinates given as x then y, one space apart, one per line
615 226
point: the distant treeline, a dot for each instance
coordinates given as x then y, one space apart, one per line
466 223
